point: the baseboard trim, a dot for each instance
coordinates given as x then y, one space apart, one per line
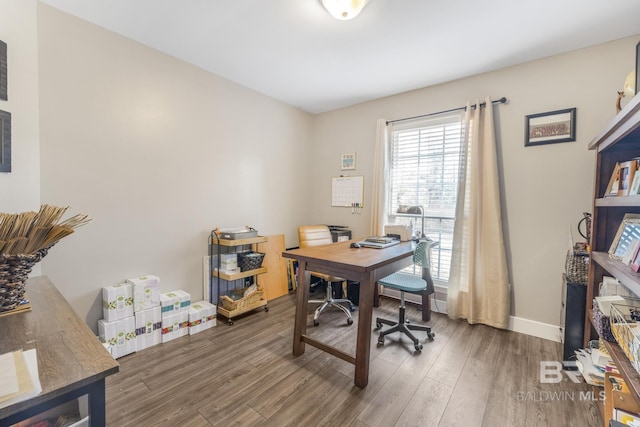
534 328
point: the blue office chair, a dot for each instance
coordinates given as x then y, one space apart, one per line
405 282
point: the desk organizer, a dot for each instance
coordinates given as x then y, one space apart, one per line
626 331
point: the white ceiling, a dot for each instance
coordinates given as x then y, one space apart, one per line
294 51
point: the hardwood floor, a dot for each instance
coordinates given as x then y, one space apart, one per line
245 375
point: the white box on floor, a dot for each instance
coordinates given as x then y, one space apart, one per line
175 326
121 334
117 301
146 292
175 302
148 328
202 315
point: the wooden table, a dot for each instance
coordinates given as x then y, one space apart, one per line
364 265
71 360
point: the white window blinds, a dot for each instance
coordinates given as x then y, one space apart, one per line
424 171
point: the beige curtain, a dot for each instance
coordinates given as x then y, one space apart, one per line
479 288
380 174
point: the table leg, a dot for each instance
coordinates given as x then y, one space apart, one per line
302 302
97 402
363 343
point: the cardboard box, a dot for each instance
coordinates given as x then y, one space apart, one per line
121 334
117 301
148 328
228 262
202 316
174 326
146 292
175 302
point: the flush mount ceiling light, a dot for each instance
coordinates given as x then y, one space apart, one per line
344 9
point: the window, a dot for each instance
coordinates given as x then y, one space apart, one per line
424 165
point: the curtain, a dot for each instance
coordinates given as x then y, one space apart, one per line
379 183
479 288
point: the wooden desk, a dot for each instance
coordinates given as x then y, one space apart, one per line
71 360
364 265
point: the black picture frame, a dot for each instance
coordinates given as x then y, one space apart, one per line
551 127
5 141
4 87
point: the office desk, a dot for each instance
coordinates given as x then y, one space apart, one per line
364 265
71 360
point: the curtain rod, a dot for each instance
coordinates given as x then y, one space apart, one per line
482 104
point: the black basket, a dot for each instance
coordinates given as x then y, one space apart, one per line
14 271
250 260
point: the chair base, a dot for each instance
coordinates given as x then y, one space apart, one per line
404 328
331 302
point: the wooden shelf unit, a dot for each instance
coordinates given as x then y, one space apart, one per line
232 244
619 141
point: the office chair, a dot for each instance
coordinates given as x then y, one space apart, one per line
316 235
405 282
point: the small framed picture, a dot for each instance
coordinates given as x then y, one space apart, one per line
628 231
348 161
5 141
627 172
3 72
635 260
550 128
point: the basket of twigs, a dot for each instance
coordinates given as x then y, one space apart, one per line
25 238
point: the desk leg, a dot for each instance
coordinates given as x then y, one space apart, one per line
302 302
363 345
97 402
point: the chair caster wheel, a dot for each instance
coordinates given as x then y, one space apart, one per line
381 341
229 322
418 347
378 325
431 336
316 322
266 308
349 321
352 308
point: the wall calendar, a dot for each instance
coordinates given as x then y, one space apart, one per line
347 191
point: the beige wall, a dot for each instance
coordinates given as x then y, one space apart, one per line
20 189
545 189
158 152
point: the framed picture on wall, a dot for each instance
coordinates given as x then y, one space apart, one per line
550 128
348 161
4 88
5 141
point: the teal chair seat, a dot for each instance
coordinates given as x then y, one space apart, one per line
405 282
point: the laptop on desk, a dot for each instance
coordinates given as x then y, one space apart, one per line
378 242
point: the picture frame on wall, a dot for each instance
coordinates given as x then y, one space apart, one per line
5 141
4 87
348 161
551 127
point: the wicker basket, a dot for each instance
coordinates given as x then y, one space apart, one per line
601 323
14 270
576 267
250 260
231 304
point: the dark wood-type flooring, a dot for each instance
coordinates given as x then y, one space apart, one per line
245 375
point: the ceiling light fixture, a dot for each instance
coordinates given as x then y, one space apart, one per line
344 9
